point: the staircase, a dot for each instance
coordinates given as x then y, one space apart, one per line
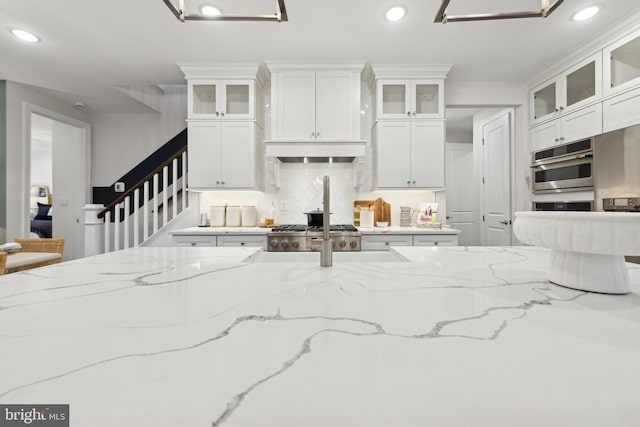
148 206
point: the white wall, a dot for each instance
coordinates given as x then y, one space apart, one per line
121 141
17 168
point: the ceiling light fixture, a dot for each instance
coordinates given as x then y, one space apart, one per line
208 10
396 13
586 13
179 11
25 35
545 10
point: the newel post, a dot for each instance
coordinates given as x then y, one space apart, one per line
93 230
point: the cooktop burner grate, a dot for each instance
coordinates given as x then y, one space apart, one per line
302 227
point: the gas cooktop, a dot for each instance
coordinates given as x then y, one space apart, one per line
300 237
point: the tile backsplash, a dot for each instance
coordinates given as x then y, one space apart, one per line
301 191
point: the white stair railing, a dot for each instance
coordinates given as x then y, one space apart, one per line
166 204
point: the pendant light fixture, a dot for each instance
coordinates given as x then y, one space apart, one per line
177 7
545 10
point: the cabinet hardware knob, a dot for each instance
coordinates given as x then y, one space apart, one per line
222 114
556 110
414 113
317 134
561 108
562 138
313 134
241 243
217 113
505 222
408 182
408 113
414 181
222 182
217 182
556 140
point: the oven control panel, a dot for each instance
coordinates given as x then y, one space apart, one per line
624 204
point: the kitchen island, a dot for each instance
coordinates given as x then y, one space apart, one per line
199 336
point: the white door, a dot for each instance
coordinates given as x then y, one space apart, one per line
69 183
237 155
204 154
393 158
334 105
427 154
496 155
460 212
296 118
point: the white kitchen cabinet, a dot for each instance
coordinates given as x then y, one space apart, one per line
221 99
621 111
410 154
622 64
382 242
435 240
409 98
580 124
315 105
569 91
195 240
243 240
221 155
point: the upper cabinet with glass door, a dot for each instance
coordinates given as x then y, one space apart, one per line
622 64
577 87
410 98
221 99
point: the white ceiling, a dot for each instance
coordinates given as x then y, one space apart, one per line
90 47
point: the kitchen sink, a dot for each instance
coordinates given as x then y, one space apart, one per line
338 257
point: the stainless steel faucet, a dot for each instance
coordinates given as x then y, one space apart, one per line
326 251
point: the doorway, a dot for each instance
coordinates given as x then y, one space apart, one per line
478 177
57 182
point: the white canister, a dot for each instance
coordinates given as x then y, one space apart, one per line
217 216
366 219
233 216
249 216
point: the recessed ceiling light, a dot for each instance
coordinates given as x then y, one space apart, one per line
586 13
208 10
396 13
25 35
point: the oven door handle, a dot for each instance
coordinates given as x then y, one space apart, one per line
562 159
562 163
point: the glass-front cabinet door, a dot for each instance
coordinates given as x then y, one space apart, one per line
622 64
427 100
221 99
393 99
399 99
575 88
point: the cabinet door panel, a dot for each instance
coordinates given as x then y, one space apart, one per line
334 105
239 99
427 154
296 107
426 98
393 157
393 99
204 154
582 123
545 135
237 155
622 111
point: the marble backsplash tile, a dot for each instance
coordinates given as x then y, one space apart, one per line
301 191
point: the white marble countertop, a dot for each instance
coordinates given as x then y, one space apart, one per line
216 231
193 336
213 231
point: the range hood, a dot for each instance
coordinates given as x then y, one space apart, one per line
315 151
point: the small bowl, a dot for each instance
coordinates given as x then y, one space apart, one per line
382 224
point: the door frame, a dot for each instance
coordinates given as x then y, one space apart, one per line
27 110
478 161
